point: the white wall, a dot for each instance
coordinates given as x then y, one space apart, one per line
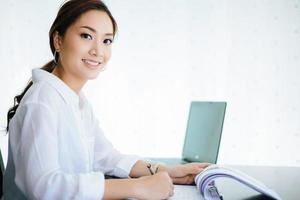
168 53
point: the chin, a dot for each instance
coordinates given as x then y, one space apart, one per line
92 76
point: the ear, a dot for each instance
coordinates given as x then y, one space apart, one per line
57 40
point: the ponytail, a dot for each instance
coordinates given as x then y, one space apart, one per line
49 67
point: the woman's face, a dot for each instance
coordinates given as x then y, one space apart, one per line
85 48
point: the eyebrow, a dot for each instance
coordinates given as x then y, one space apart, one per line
94 31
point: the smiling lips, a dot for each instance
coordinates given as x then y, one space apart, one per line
91 63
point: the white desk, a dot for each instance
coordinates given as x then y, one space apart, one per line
182 192
284 180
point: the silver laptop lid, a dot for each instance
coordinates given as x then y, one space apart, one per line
204 130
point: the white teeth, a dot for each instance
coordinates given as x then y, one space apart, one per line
90 62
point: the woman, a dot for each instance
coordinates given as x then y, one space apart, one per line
56 148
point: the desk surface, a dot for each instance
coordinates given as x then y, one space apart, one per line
284 180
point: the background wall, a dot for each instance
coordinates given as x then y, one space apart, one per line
168 53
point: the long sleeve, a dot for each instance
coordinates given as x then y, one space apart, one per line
35 149
57 149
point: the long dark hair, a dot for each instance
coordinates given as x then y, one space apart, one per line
68 13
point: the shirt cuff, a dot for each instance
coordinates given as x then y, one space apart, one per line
92 185
125 165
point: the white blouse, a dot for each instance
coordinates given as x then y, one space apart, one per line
56 148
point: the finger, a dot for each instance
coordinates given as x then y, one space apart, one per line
180 180
171 192
198 167
204 165
191 179
184 180
193 168
176 180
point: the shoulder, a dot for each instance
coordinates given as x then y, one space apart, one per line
42 93
39 101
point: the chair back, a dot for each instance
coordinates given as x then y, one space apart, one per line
2 174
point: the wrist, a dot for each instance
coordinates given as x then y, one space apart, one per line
164 168
135 187
138 187
120 188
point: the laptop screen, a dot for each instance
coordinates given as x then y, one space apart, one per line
204 130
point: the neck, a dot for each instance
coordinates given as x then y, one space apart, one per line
73 82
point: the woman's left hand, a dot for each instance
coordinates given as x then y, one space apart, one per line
185 174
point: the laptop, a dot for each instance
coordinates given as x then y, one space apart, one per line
203 134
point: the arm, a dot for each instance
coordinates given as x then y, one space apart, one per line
158 186
125 188
180 174
108 160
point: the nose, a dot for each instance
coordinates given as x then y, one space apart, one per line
97 50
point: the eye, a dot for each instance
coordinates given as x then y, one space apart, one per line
108 41
86 36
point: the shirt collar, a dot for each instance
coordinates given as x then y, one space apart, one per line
65 91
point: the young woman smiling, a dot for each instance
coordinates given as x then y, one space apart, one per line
56 148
